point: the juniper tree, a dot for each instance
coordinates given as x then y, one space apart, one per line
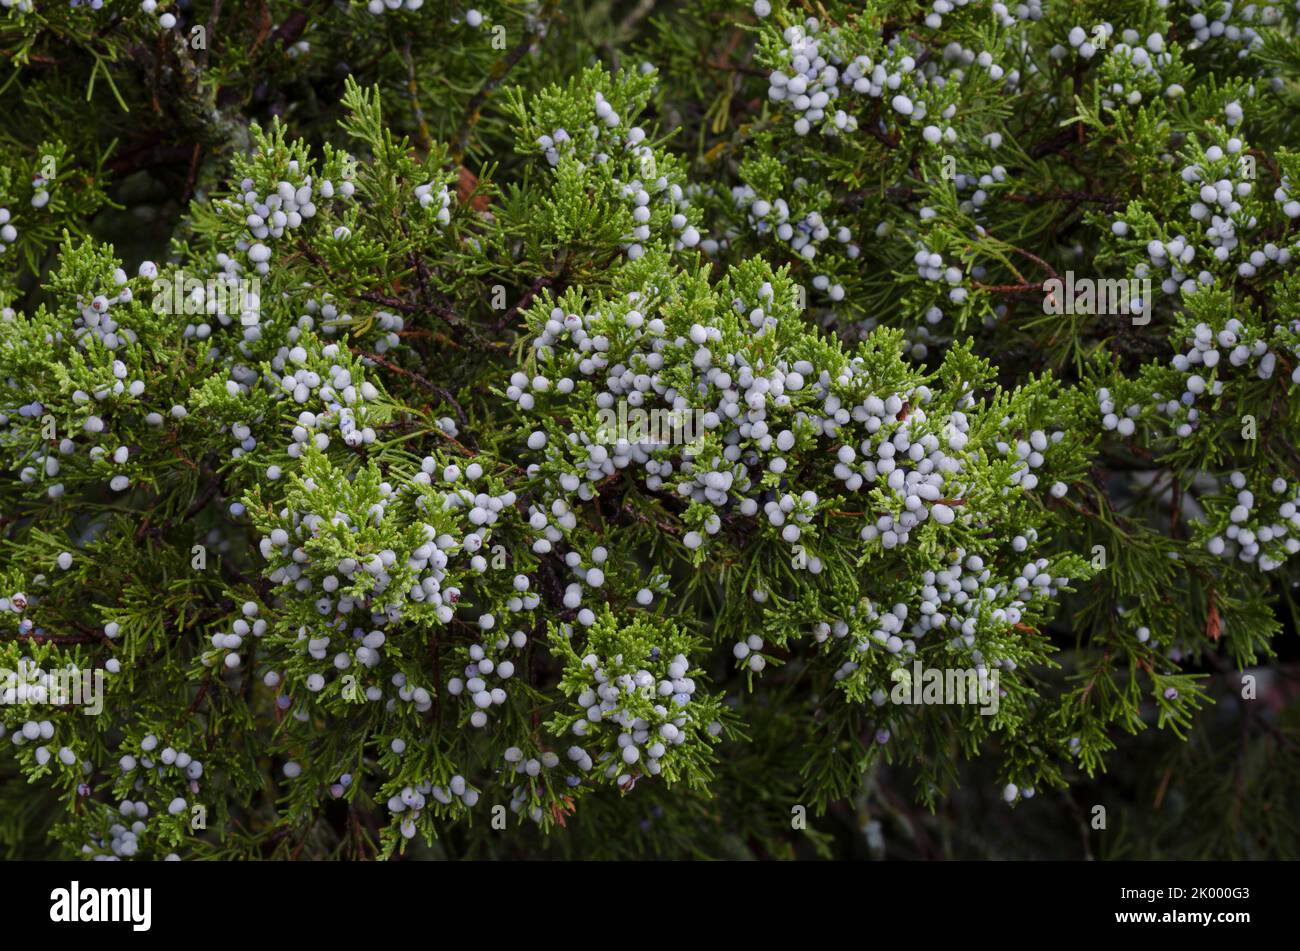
974 328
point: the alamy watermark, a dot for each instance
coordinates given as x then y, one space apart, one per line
1099 296
89 904
224 295
947 685
33 686
654 427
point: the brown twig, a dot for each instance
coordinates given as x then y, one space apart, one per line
1071 196
424 140
193 174
500 70
202 499
428 384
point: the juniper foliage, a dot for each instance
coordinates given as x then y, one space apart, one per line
323 323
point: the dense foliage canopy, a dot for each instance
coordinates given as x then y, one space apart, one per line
578 428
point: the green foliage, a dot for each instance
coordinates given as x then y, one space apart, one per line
335 355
